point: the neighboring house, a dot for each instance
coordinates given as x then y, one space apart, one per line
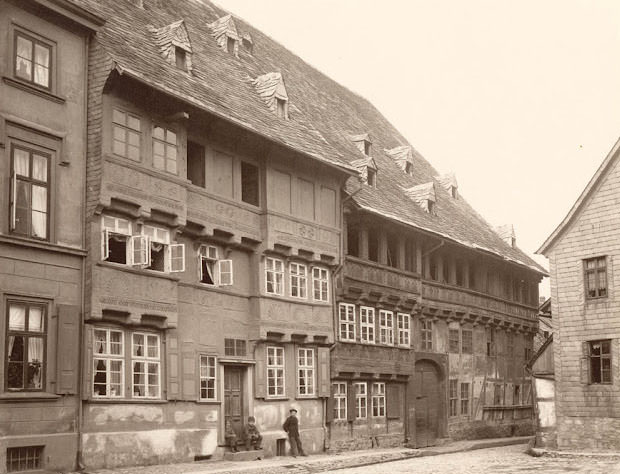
584 297
43 64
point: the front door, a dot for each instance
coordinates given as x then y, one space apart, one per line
427 404
233 398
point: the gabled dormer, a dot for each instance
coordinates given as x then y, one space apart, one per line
248 43
363 143
403 157
424 196
271 89
225 33
448 181
367 169
174 44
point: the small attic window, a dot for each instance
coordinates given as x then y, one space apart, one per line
248 45
372 177
409 169
367 146
454 192
431 207
281 108
230 45
180 58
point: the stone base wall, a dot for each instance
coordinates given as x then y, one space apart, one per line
393 440
588 434
490 429
59 450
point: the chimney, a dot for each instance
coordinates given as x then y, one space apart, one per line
507 234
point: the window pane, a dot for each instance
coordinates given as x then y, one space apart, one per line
100 341
133 138
133 153
41 76
39 224
39 167
41 55
153 346
171 137
116 343
35 319
118 117
133 122
17 317
138 345
35 362
39 198
100 377
24 47
159 133
21 162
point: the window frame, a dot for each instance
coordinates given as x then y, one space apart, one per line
602 356
367 324
207 377
295 280
386 331
46 43
282 378
378 400
359 397
108 357
105 236
147 361
403 332
340 401
465 406
166 144
277 276
323 282
596 271
127 130
27 334
349 322
309 371
453 397
454 345
426 334
31 182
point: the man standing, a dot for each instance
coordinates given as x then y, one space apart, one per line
291 426
251 435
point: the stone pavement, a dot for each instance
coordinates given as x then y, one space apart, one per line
315 463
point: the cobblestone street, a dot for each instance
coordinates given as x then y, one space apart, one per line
503 460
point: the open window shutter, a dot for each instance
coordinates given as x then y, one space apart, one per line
13 198
140 254
350 401
329 415
67 354
393 400
324 376
190 377
260 376
172 349
176 254
200 275
105 244
225 270
585 362
87 368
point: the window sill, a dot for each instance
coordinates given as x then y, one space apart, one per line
33 90
276 399
27 396
209 402
41 244
127 400
137 271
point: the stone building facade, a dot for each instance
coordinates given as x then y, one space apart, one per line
43 63
582 252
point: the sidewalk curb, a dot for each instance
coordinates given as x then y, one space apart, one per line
478 445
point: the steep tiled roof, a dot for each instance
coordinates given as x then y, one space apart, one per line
323 114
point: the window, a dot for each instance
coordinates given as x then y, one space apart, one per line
454 397
115 237
353 239
26 346
409 168
360 400
24 458
249 183
235 347
339 393
126 135
108 363
392 251
297 273
600 361
510 344
214 271
372 177
498 395
467 343
275 371
274 276
305 372
320 284
426 334
29 192
596 277
404 322
491 349
367 146
516 398
378 399
367 324
180 58
464 398
161 255
111 356
33 60
373 245
281 108
346 316
165 149
145 365
386 327
230 45
453 341
207 377
196 168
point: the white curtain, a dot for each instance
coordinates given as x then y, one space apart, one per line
17 318
35 349
39 211
21 161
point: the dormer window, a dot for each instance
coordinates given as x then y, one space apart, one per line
180 58
424 196
248 43
225 33
403 157
367 146
430 207
280 107
409 169
271 88
230 45
454 192
449 183
174 45
372 177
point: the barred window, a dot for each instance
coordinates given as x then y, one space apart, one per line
378 399
24 458
275 371
360 400
207 377
339 393
595 277
346 316
367 324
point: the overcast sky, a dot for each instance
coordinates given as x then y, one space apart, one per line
520 99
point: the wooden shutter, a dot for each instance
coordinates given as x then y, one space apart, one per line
585 362
87 369
105 244
260 375
67 349
190 377
350 401
172 353
329 415
393 400
323 378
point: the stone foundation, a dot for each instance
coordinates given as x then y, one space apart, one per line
487 429
588 434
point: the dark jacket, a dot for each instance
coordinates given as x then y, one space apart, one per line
291 426
249 431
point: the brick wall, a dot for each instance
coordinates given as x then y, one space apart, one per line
588 414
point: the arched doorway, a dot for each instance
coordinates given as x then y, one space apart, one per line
427 403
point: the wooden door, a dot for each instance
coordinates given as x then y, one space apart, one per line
427 404
233 398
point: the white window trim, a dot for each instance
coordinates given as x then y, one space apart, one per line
347 321
147 361
201 378
306 369
388 327
377 396
368 325
402 317
107 357
340 401
358 396
299 276
275 274
277 349
320 280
